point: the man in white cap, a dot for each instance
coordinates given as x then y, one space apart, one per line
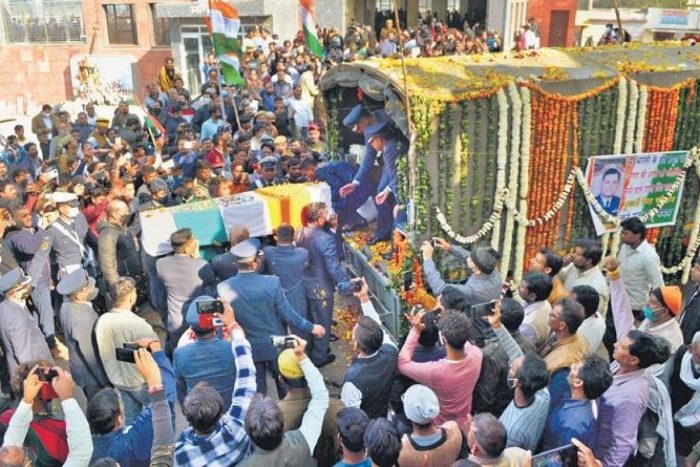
262 310
78 321
429 444
68 234
21 337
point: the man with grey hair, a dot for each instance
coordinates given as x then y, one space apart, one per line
487 439
113 329
685 399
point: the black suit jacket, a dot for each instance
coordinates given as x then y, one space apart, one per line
690 313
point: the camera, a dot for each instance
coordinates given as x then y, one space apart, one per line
46 375
350 287
206 310
125 353
282 342
482 310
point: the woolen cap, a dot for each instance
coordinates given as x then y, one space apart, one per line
288 364
420 404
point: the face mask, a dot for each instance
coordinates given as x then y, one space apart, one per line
73 212
649 314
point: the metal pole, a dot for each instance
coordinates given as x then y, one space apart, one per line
412 179
621 35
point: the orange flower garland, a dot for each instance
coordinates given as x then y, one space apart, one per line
660 124
551 136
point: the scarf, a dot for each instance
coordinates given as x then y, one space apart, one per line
689 414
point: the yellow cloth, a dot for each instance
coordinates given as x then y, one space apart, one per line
558 291
285 203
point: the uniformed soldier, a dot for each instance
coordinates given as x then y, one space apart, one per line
288 263
7 258
268 174
78 320
68 233
19 332
32 248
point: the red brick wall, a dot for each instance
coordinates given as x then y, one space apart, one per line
41 73
542 10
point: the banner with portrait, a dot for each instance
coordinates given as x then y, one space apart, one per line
630 185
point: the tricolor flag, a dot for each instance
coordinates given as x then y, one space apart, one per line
153 125
308 21
225 23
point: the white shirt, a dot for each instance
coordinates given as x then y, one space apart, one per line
640 271
301 111
593 329
572 277
670 330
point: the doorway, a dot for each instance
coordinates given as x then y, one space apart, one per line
194 47
558 28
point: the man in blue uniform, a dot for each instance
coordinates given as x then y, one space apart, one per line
261 309
68 234
78 320
320 277
288 263
32 248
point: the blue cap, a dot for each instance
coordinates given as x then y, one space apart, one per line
74 282
12 279
353 117
376 128
245 249
192 317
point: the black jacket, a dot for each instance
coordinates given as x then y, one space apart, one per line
118 254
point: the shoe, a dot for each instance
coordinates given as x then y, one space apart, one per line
329 359
333 338
354 227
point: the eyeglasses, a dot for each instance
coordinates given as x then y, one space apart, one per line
512 382
555 316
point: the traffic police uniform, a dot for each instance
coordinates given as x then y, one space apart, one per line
69 250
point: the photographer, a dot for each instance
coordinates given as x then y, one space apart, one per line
193 363
130 445
216 438
264 422
78 445
369 378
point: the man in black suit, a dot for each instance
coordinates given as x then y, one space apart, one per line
689 318
608 198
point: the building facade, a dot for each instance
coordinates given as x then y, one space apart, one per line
556 20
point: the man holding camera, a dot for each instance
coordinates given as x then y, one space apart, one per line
115 328
261 309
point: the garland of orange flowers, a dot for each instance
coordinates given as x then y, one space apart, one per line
548 170
575 98
660 125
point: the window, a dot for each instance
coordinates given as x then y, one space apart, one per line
453 5
424 6
121 27
161 33
384 5
42 21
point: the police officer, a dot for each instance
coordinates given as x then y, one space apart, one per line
268 174
19 332
288 263
68 234
32 248
78 321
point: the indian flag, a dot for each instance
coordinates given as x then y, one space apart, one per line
152 124
308 21
225 23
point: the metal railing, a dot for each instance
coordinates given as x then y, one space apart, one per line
42 21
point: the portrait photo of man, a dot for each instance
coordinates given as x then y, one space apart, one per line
609 197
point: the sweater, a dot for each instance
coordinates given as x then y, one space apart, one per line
452 381
443 452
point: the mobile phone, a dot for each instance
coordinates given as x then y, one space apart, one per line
407 280
282 342
482 310
51 174
125 355
206 310
350 287
131 345
565 456
188 145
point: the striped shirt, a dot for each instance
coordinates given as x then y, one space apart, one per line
229 443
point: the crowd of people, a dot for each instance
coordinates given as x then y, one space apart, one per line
104 343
